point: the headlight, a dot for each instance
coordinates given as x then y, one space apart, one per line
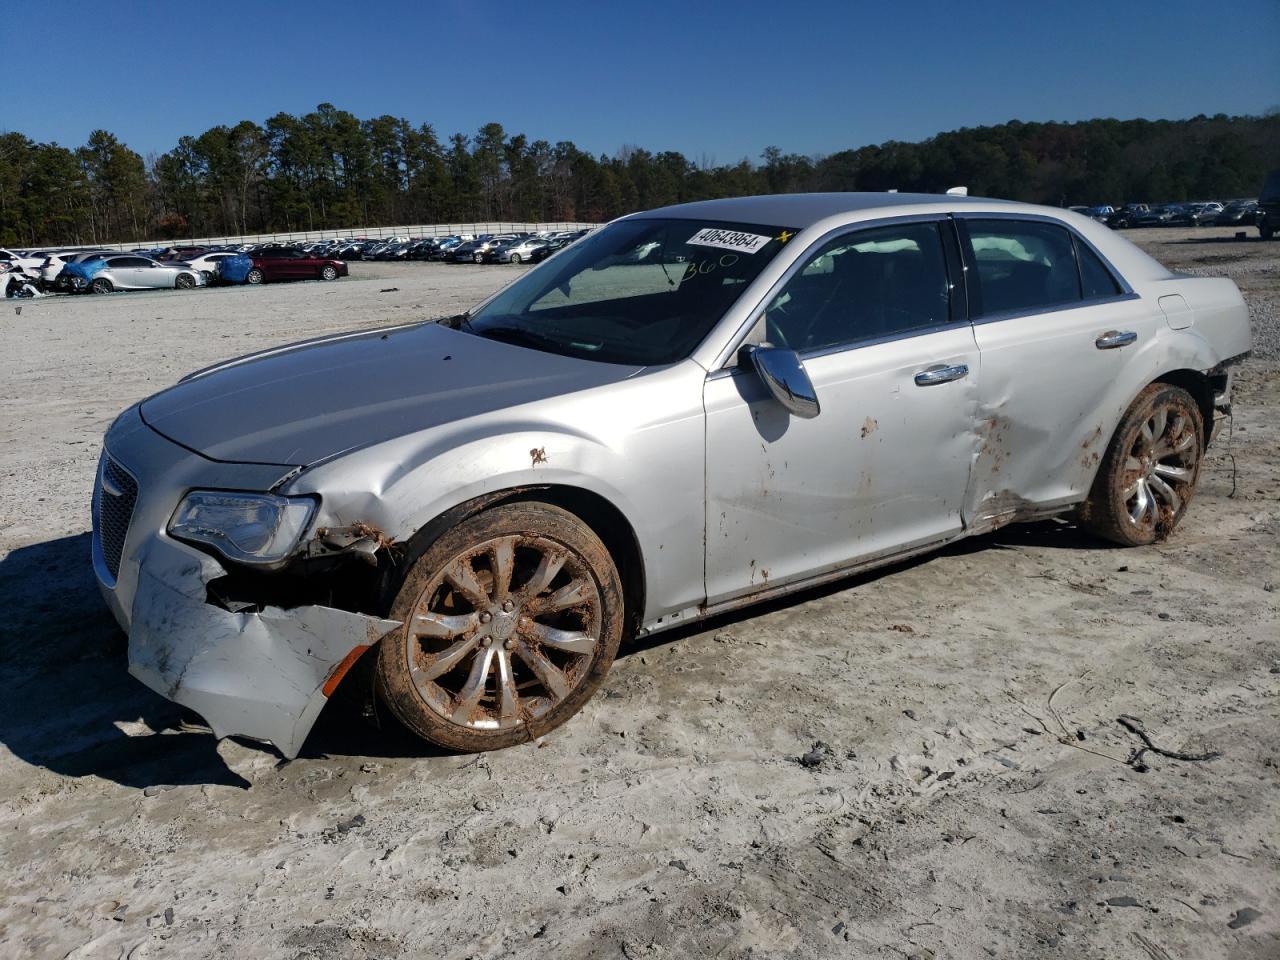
256 528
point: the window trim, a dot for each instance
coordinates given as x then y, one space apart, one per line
726 362
971 266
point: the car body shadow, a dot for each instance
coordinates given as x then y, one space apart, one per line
1055 533
69 696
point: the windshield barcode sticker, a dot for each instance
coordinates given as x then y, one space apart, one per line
729 240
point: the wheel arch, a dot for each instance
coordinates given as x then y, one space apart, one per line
604 518
1202 387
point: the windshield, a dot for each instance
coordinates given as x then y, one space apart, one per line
640 292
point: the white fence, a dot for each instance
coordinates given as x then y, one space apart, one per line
417 231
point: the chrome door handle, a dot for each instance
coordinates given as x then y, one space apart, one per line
941 374
1115 338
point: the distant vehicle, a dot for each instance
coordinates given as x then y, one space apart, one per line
474 250
1267 215
1237 213
286 263
55 262
1100 213
28 263
208 263
132 271
1157 216
518 251
1123 218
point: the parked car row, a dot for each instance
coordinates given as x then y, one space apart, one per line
106 271
1234 213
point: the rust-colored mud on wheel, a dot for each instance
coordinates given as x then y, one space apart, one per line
512 619
1148 476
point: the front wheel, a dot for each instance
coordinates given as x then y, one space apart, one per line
478 258
329 272
101 285
1149 473
511 621
185 281
254 276
515 258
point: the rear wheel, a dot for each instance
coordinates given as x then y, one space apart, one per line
330 272
101 285
185 281
1148 476
511 621
478 258
254 276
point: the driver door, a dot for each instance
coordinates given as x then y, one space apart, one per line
878 320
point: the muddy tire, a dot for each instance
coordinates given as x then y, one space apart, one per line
512 619
1148 476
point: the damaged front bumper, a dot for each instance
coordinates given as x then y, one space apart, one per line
263 673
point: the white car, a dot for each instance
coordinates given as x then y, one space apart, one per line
28 263
207 263
784 391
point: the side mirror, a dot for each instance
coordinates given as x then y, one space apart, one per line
784 374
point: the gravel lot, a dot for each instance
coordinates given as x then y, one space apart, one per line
921 763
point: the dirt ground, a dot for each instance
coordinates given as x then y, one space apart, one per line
921 763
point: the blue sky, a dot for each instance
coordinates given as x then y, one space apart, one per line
719 81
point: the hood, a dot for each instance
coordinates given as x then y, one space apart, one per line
309 402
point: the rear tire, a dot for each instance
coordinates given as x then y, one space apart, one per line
515 258
1149 473
511 621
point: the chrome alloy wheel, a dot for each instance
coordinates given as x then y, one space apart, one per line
504 632
1160 468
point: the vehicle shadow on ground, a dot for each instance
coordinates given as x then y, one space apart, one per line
67 688
1056 534
1192 241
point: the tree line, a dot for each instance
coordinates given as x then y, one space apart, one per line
329 169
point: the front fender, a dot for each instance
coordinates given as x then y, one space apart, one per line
639 445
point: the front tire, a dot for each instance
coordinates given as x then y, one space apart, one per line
511 621
329 272
1149 473
254 276
515 258
184 282
101 285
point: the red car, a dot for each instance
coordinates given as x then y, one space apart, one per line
286 263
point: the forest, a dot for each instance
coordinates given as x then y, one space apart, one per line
330 169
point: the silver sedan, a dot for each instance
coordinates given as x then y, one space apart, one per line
133 271
690 410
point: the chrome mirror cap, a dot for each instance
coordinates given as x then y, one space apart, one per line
783 373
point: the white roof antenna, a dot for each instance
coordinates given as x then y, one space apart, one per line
958 192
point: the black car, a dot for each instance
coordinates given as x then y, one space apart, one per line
1237 213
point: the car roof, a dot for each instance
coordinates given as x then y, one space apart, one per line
800 210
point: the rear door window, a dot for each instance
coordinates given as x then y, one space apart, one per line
1095 279
1022 266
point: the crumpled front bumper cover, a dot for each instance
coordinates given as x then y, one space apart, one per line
254 674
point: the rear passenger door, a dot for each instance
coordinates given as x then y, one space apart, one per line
1054 324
